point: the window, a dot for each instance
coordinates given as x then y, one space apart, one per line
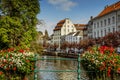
68 26
72 30
101 33
101 23
118 18
109 30
94 34
98 24
105 31
108 21
113 19
113 29
97 33
105 22
94 25
68 21
68 30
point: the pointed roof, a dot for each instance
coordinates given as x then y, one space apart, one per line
59 25
109 9
80 26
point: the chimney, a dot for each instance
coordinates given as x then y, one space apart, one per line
91 17
106 6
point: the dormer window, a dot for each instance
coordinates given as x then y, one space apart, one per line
68 21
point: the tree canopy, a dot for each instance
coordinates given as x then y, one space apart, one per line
18 22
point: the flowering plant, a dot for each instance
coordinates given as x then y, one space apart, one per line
102 59
14 61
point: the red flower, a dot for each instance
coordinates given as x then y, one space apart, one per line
103 66
14 68
103 49
1 72
27 61
118 70
109 71
21 51
111 49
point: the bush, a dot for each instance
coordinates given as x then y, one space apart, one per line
15 62
102 61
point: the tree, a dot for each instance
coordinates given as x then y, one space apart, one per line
112 39
64 45
55 46
18 22
46 37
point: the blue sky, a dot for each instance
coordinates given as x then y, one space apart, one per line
79 11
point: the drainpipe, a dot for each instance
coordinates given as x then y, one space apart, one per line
116 21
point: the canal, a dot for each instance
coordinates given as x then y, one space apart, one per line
58 65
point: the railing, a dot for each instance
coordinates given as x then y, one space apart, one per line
78 67
93 75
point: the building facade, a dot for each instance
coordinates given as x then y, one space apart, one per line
74 37
66 29
107 21
62 28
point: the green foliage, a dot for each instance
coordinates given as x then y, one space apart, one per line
36 47
18 22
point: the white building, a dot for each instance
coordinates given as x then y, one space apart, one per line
74 37
107 21
62 28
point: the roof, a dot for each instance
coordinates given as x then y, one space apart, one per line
71 33
59 25
80 26
77 33
109 9
74 33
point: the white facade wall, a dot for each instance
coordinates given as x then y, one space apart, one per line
72 39
104 25
56 37
67 27
118 20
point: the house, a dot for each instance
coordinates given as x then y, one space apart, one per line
65 29
107 21
89 28
62 28
74 37
83 29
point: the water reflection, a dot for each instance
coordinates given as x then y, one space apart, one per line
57 65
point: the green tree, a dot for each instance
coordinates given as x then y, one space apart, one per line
18 22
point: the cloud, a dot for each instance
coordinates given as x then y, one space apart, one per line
65 5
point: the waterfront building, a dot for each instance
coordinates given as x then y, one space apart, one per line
62 28
65 30
107 21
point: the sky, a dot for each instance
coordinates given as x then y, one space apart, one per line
78 11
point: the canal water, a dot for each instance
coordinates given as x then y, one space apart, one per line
58 65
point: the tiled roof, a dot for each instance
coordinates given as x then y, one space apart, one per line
77 33
80 26
59 25
109 9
